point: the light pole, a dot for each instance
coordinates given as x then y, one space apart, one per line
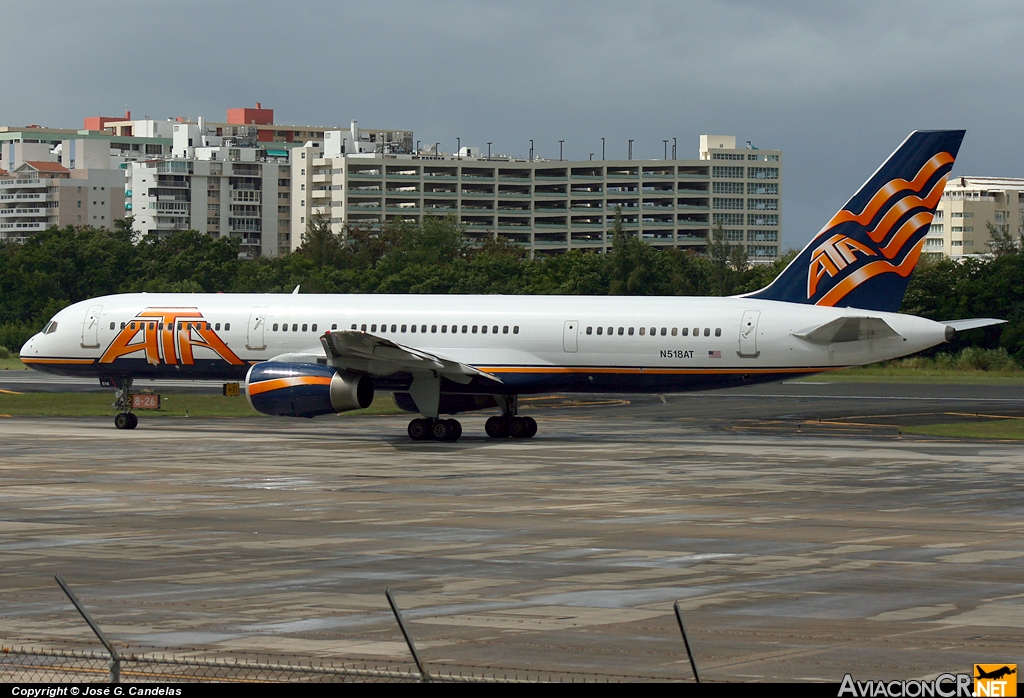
665 141
560 150
673 148
489 149
531 150
458 146
602 147
630 148
417 146
435 149
591 156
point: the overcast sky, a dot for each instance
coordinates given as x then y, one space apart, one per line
836 86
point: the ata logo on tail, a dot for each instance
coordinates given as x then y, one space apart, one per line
169 336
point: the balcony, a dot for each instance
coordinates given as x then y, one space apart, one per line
35 196
24 227
19 212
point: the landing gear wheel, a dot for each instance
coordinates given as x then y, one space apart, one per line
456 429
441 430
122 420
419 430
531 427
496 427
518 428
133 420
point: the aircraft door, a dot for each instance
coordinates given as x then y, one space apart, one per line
569 336
257 324
91 327
748 334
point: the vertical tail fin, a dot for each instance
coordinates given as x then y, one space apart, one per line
864 256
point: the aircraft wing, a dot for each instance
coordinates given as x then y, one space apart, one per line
848 329
367 353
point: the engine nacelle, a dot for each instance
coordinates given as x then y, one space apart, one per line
305 390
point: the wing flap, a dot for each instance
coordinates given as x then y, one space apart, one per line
378 355
848 329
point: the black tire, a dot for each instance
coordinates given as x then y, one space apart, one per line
531 427
456 429
121 420
496 427
418 430
441 430
518 428
133 420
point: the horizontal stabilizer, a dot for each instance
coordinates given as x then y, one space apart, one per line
972 323
848 329
361 351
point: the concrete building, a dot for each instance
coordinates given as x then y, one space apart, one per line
38 195
547 206
41 144
967 206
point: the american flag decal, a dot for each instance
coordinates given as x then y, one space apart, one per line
714 354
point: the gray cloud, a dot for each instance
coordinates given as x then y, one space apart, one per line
835 85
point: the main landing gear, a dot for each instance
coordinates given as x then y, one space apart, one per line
427 429
125 419
509 423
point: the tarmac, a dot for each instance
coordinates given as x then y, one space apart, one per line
804 535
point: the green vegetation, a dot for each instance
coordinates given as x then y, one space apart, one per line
11 363
171 405
1010 428
969 365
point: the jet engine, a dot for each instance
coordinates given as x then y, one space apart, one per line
305 390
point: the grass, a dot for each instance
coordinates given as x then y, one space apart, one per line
1009 428
171 405
881 373
13 363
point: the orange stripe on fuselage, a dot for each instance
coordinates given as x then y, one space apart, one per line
889 190
57 361
279 383
645 371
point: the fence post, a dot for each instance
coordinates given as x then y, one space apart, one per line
689 652
408 638
115 658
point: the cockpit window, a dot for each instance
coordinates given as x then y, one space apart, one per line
50 328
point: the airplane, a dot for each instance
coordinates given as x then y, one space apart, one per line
835 305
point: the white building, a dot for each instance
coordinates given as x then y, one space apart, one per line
968 205
547 206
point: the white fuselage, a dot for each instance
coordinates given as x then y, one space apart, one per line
534 343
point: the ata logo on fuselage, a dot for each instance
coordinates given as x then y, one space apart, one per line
169 336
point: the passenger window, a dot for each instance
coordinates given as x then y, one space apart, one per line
305 327
444 329
284 327
515 330
707 331
334 326
718 331
111 326
275 327
654 331
132 326
474 329
590 330
504 330
353 327
674 330
217 327
361 329
622 330
122 325
455 329
295 327
483 329
373 328
394 328
643 331
313 327
433 328
696 332
403 328
686 332
494 330
412 328
600 330
663 329
465 329
423 328
227 326
630 331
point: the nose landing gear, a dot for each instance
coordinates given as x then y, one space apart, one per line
125 419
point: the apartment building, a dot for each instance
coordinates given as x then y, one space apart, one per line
39 194
548 206
967 206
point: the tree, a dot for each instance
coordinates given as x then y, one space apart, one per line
633 264
319 244
728 262
1002 241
